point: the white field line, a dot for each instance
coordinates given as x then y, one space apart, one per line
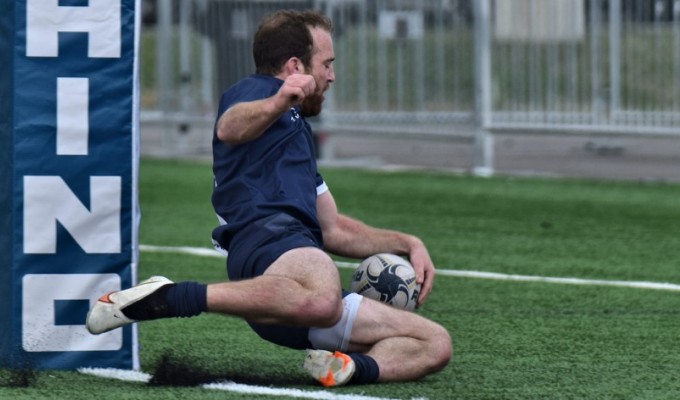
195 251
137 376
297 393
118 374
205 252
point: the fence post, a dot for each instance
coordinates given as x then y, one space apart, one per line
598 106
164 55
185 56
615 55
483 142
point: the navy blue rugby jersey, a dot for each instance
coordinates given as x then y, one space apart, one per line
275 173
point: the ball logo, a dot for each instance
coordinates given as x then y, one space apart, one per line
388 283
387 278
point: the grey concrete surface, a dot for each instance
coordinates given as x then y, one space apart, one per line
631 158
618 158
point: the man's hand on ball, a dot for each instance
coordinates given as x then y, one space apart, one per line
425 271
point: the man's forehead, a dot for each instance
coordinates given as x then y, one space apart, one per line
323 43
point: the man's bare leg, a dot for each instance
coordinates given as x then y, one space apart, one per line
405 345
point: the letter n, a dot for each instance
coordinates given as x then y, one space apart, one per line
48 199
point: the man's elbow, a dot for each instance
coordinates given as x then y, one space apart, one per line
228 136
334 243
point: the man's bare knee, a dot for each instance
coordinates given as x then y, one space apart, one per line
321 310
317 298
440 346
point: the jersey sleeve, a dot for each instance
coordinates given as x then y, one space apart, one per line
321 186
248 89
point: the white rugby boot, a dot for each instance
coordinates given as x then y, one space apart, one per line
330 369
107 313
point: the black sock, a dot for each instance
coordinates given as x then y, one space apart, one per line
153 306
367 370
187 299
184 299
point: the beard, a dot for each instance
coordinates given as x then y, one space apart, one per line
311 105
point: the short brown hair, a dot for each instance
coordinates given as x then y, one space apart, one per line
285 34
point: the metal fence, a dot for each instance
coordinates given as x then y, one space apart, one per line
459 69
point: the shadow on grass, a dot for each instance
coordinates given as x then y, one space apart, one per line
173 370
18 378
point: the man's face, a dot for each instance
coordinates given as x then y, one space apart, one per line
321 69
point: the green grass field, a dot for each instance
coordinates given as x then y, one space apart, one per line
512 340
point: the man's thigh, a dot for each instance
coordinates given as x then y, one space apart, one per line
310 267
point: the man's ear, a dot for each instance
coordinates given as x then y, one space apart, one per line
294 66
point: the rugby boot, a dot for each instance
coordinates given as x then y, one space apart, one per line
124 307
330 369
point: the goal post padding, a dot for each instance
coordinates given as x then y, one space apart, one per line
68 170
6 168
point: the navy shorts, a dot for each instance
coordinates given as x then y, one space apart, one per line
288 336
254 249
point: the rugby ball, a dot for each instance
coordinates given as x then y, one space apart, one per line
387 278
